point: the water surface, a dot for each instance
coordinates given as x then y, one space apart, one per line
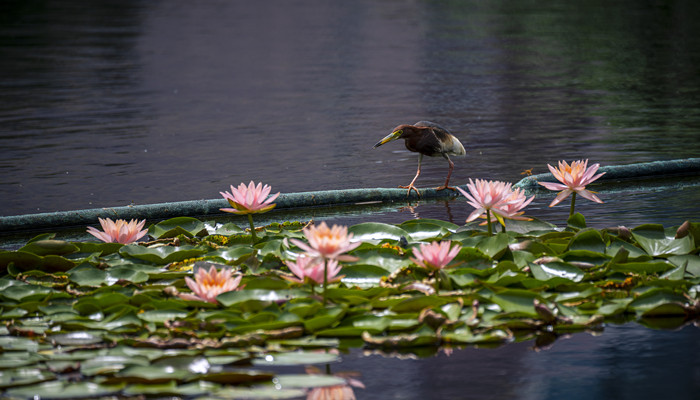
137 102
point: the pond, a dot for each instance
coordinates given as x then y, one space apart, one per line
138 102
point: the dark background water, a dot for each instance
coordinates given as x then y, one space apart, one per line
109 103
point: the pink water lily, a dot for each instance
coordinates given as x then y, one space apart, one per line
310 269
337 392
119 231
251 199
435 255
209 284
512 206
486 196
328 243
574 178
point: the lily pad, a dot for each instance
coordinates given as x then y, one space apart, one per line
173 227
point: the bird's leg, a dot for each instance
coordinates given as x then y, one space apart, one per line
410 185
449 173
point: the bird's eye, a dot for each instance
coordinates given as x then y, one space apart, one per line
400 131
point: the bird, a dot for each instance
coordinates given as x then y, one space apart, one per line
430 139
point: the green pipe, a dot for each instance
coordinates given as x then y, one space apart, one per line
326 198
209 207
688 166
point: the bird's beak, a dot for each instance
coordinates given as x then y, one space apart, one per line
392 136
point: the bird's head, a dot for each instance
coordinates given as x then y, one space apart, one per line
400 132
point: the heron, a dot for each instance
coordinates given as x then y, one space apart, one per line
430 139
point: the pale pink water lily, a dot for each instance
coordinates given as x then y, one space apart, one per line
486 196
512 207
119 231
337 392
251 199
209 284
435 255
328 243
574 178
310 269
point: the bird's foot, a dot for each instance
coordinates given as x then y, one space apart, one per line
444 187
410 187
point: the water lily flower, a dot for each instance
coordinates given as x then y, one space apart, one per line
209 284
574 178
512 207
486 197
119 231
248 200
328 243
435 255
308 268
337 392
251 199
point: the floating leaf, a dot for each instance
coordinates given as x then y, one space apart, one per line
325 318
46 247
64 390
161 254
547 271
296 358
265 393
420 229
76 339
173 227
576 221
587 239
375 231
516 301
23 376
658 302
229 299
495 245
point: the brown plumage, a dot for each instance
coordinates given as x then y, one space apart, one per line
430 139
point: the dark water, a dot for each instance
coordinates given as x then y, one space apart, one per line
624 362
110 103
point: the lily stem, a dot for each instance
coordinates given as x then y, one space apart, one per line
325 279
252 227
488 221
573 202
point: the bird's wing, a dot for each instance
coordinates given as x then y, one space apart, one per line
449 142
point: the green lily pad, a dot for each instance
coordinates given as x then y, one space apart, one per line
64 390
545 272
420 229
229 299
296 358
264 393
652 238
162 254
375 232
495 246
173 227
588 239
46 247
24 376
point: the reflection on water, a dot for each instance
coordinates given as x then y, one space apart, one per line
623 362
143 102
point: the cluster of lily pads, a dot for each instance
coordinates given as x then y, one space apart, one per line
121 318
86 319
